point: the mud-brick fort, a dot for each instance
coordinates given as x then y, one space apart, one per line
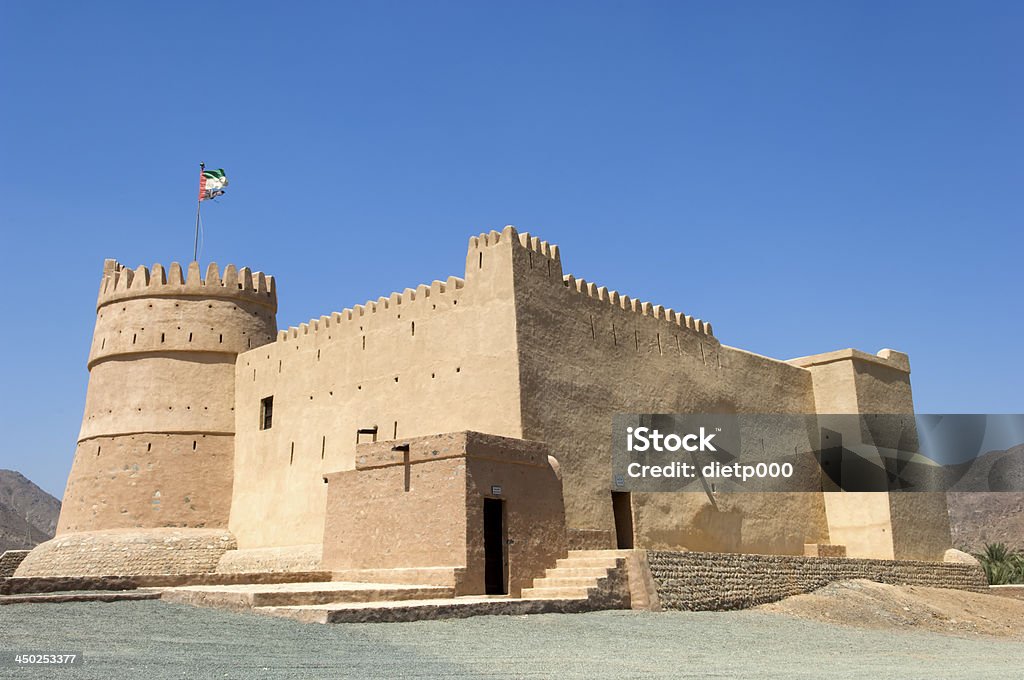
453 435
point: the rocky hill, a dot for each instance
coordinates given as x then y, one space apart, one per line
977 517
28 515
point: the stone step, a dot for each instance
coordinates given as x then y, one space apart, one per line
432 576
243 597
570 581
557 592
600 553
576 562
589 572
424 610
94 596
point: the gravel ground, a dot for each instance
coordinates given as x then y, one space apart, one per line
152 639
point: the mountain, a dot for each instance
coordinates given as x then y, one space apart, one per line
28 515
980 517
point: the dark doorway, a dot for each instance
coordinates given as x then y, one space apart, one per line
622 506
495 576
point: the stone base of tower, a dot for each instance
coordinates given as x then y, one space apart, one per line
286 559
128 552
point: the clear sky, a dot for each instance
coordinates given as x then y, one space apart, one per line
808 176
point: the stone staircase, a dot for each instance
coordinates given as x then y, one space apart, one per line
585 580
259 596
597 576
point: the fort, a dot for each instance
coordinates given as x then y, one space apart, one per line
455 434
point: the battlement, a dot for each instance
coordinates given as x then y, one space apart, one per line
524 240
584 287
543 256
550 251
407 297
122 283
539 255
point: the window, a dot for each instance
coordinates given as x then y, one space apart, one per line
266 412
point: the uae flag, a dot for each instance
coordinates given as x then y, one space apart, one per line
212 183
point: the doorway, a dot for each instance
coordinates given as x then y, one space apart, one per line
495 573
622 507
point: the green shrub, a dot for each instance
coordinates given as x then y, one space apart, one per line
1002 566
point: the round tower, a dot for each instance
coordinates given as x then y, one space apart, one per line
156 447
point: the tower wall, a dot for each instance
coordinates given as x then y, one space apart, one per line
156 448
587 353
877 525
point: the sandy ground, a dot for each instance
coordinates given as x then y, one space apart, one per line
902 608
153 639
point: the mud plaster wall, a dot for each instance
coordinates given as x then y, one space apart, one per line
435 359
586 354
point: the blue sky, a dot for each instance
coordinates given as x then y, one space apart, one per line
806 175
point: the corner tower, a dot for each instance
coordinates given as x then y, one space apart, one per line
156 447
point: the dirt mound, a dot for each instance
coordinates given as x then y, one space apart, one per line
868 604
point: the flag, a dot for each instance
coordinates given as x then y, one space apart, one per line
212 183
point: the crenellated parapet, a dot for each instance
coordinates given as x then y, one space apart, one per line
147 310
438 291
532 254
122 283
540 256
546 257
511 235
592 290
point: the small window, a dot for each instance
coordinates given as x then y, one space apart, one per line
266 412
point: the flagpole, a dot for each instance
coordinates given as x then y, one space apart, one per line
199 205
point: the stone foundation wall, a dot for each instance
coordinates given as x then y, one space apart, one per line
296 558
700 581
53 584
9 562
128 552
